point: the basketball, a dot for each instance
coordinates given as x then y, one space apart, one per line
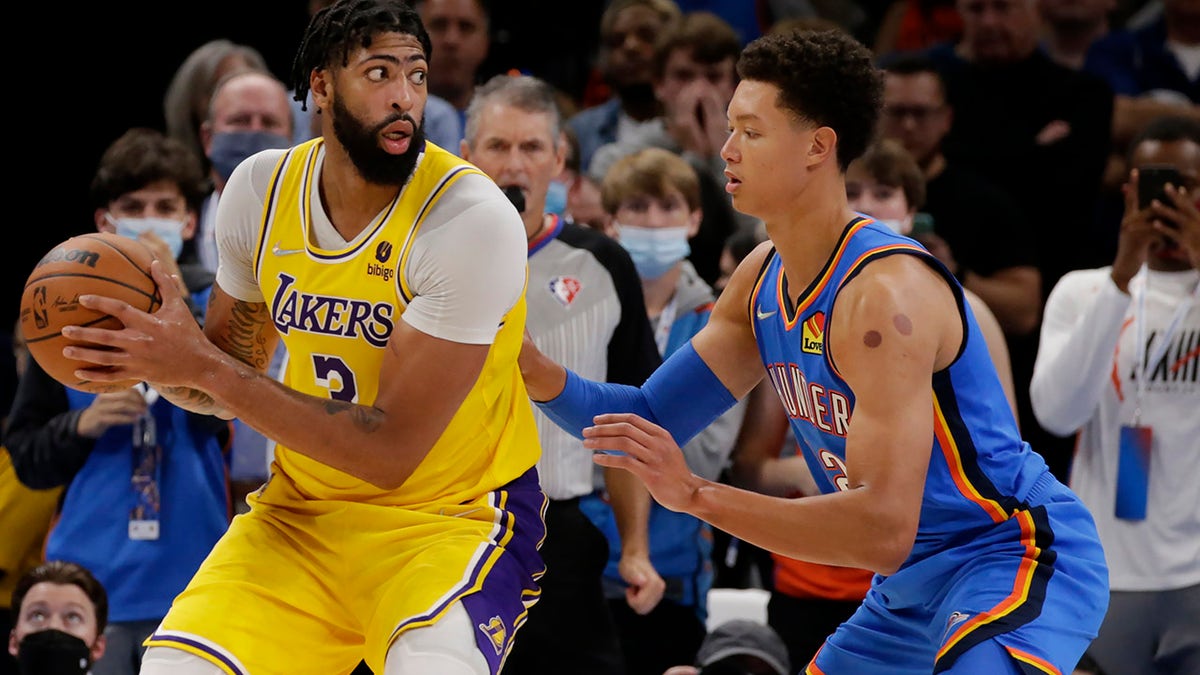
99 263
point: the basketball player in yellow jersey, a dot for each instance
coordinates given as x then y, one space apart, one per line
402 520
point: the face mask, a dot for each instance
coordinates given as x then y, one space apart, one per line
229 148
556 198
899 226
171 231
53 651
654 250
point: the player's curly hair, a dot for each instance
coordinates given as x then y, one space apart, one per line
347 25
824 76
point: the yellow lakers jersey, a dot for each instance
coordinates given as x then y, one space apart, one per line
336 309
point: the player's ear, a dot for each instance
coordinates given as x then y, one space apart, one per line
823 146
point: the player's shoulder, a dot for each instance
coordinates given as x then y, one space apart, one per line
895 281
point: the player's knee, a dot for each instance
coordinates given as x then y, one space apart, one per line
447 647
171 661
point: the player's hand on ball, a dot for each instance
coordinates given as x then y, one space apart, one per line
158 347
649 453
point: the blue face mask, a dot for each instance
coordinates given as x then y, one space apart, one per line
654 250
230 148
171 231
556 198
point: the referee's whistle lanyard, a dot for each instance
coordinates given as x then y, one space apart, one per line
1144 366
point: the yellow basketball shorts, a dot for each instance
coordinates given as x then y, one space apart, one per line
305 586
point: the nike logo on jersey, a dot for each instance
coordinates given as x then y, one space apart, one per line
758 312
285 251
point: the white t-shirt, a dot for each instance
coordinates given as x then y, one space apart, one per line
1085 379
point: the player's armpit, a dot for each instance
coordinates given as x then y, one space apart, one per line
726 343
892 327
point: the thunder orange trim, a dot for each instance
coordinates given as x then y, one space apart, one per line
941 431
811 668
1020 591
1040 664
790 322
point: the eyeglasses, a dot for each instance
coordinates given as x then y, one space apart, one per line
918 113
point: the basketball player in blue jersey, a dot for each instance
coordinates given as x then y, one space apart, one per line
402 519
984 562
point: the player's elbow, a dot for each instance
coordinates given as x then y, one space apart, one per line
889 544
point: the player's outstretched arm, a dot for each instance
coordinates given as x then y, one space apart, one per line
893 326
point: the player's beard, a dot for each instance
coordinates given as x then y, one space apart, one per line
362 144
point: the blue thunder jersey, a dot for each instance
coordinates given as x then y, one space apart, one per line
979 467
336 309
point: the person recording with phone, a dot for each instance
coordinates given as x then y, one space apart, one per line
1118 365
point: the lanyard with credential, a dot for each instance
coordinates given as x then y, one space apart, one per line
1160 346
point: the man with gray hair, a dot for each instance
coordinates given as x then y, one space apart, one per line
586 308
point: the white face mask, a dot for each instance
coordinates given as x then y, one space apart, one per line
171 231
654 250
899 226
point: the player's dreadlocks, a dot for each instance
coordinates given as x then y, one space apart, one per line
346 25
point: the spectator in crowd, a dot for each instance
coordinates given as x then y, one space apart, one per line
739 647
586 308
1069 27
1118 368
247 112
186 102
983 238
886 184
1154 70
914 25
59 615
460 33
653 196
628 31
694 78
25 518
1042 132
582 201
146 482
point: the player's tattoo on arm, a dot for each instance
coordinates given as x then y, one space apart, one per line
192 400
365 418
872 339
243 341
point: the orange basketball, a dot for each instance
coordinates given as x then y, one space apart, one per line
99 263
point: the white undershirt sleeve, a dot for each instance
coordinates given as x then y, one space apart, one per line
468 269
1081 326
